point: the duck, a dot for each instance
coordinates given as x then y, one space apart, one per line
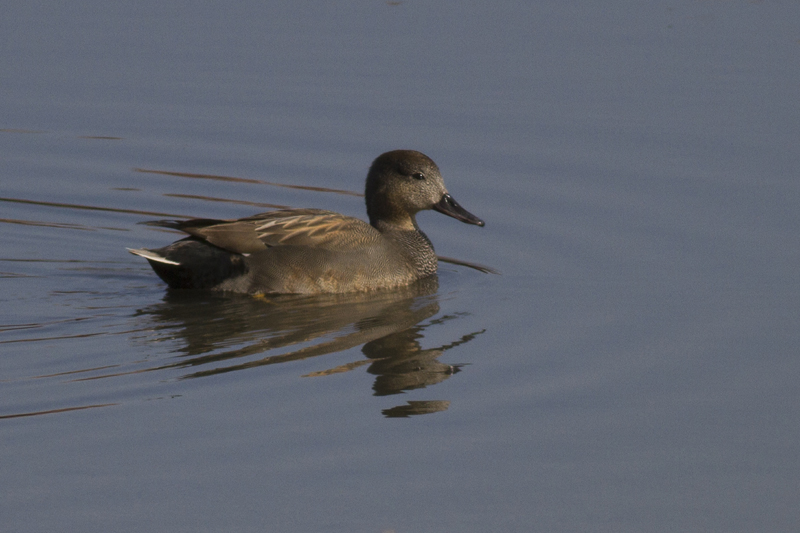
314 251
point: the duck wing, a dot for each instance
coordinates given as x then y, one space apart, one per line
315 228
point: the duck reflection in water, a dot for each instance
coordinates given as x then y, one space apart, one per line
221 334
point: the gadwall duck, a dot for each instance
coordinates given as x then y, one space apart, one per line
312 251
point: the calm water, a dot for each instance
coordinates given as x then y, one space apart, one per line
633 367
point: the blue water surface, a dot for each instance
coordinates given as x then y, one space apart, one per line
632 367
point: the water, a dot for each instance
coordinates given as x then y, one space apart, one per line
632 367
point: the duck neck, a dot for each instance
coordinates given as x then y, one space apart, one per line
412 243
405 222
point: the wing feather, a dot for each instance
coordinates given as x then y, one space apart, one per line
290 227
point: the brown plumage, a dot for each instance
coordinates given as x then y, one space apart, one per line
315 251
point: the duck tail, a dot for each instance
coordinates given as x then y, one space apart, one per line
150 255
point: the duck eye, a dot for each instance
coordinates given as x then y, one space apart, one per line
418 176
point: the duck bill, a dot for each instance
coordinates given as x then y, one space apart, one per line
450 207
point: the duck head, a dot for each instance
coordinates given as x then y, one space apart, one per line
402 183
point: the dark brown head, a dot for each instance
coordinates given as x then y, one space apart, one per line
403 182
